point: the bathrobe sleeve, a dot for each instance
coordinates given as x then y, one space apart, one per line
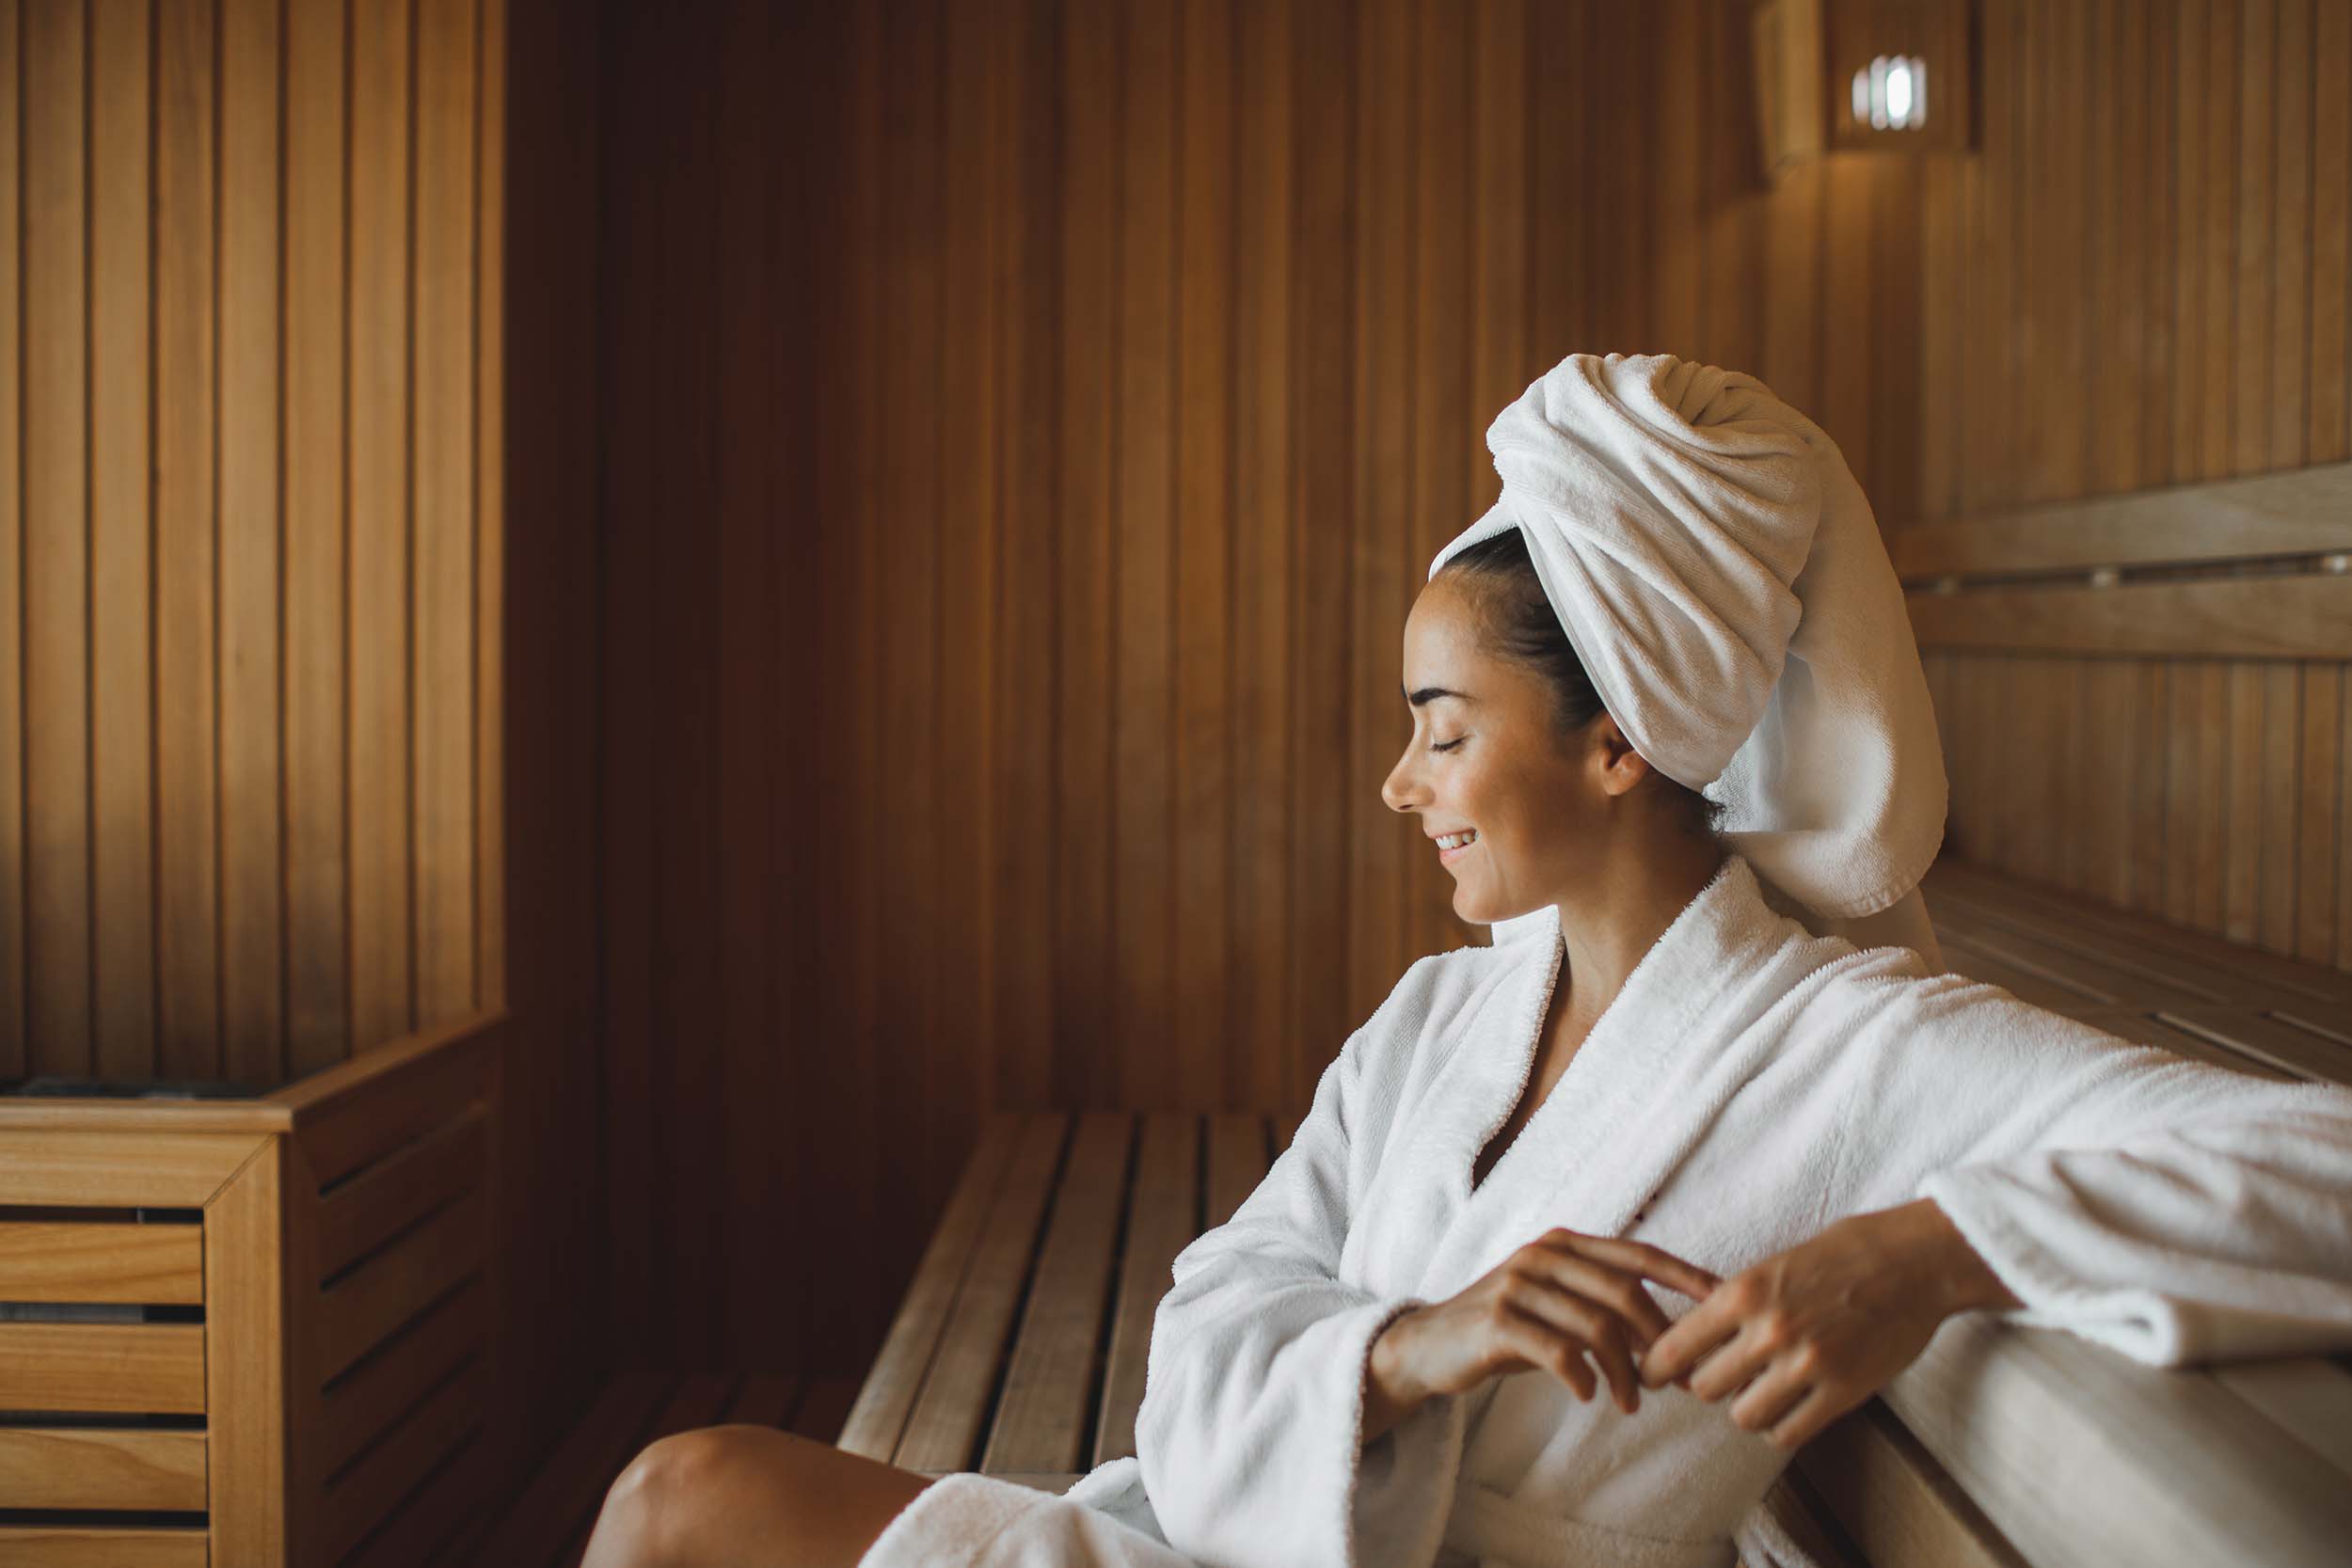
2174 1210
1249 1435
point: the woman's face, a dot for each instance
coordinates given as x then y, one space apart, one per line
1486 759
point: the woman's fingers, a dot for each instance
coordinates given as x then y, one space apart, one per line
1642 1259
1731 1367
1700 1330
1771 1397
1593 1328
1814 1412
1612 1287
1540 1342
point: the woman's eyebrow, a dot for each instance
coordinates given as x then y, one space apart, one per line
1428 694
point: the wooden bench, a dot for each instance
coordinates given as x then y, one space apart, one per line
1021 1346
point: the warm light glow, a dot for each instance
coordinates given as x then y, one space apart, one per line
1892 93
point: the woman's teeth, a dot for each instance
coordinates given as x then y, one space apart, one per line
1455 841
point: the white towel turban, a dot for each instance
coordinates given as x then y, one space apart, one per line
1719 571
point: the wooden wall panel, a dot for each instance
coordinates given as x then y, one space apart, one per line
224 627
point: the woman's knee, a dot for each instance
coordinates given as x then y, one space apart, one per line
648 1508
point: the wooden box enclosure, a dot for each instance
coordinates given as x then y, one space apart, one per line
323 1399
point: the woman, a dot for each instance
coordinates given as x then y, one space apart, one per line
1587 1229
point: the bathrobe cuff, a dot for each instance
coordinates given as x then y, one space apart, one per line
1977 1199
1396 1491
1282 1477
2049 1227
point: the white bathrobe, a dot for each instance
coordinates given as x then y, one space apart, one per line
1750 1084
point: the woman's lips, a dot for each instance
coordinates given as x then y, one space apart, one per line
1447 857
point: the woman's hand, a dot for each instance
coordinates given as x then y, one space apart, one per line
1812 1332
1556 1300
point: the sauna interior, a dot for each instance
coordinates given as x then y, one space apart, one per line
693 694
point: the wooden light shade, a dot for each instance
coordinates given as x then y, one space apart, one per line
1808 53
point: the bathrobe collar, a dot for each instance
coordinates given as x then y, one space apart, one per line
1638 1094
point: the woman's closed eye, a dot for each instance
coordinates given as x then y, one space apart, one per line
1447 746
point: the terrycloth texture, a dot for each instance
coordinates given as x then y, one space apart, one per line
1721 577
1750 1084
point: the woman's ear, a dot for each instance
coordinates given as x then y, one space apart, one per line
1621 766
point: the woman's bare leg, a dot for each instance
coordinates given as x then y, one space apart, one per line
746 1496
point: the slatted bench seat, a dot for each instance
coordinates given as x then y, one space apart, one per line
1021 1346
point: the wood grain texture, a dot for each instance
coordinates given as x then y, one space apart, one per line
103 1366
101 1468
246 1300
159 1263
213 652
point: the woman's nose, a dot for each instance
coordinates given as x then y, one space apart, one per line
1399 789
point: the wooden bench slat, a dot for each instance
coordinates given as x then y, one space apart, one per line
1040 1415
2268 1039
944 1431
40 1261
430 1525
2082 952
2307 1396
2066 920
2078 1454
101 1468
1962 956
393 1286
358 1408
1162 1217
2084 972
568 1489
2146 1029
355 1217
155 1368
1893 1501
1238 1144
103 1547
75 1169
364 1496
878 1418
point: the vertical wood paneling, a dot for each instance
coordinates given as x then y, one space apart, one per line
1142 552
445 604
1266 525
240 244
753 679
1086 1065
122 542
1389 129
1330 353
2329 421
188 566
1443 439
252 614
1201 608
57 543
317 663
183 540
14 1000
2287 358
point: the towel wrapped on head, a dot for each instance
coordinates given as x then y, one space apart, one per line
1718 570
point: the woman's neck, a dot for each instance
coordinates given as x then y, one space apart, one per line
1620 911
